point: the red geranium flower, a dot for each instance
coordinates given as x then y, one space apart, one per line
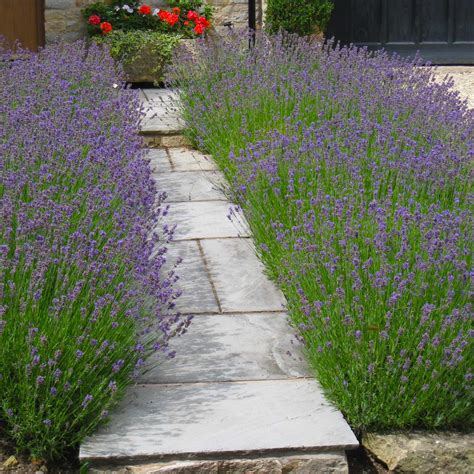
192 15
176 10
172 19
199 29
106 27
203 21
164 15
145 10
94 20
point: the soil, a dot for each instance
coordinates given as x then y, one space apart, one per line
17 464
361 462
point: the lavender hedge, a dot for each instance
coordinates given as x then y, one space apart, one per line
354 171
84 299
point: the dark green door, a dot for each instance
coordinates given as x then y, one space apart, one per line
442 30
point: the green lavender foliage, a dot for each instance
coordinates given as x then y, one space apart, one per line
84 298
354 172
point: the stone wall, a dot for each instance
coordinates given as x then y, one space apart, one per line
63 19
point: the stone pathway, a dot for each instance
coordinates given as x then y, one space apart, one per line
233 399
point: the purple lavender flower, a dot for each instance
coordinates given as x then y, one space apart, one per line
79 230
87 399
354 171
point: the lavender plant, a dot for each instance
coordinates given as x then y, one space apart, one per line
354 171
84 298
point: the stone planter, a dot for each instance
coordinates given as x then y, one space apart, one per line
149 65
144 55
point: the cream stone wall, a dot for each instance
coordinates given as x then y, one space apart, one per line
63 19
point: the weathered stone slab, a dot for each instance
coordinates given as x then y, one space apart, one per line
159 161
185 159
239 278
327 463
168 124
233 347
197 296
142 96
192 186
218 419
165 95
159 108
204 220
161 115
423 452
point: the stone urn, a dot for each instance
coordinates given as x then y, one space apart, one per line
149 65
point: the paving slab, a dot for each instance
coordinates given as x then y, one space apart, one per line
161 115
166 95
238 277
221 348
218 419
142 96
169 124
185 159
198 295
192 186
159 160
204 220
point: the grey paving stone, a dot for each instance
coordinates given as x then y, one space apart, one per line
216 418
192 186
159 161
238 276
160 108
186 159
142 96
204 220
232 347
162 112
164 94
165 124
161 117
197 296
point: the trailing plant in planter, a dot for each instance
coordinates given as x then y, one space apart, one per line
303 17
142 37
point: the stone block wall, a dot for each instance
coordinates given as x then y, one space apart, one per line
63 19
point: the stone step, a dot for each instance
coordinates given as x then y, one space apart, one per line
215 420
161 125
333 462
